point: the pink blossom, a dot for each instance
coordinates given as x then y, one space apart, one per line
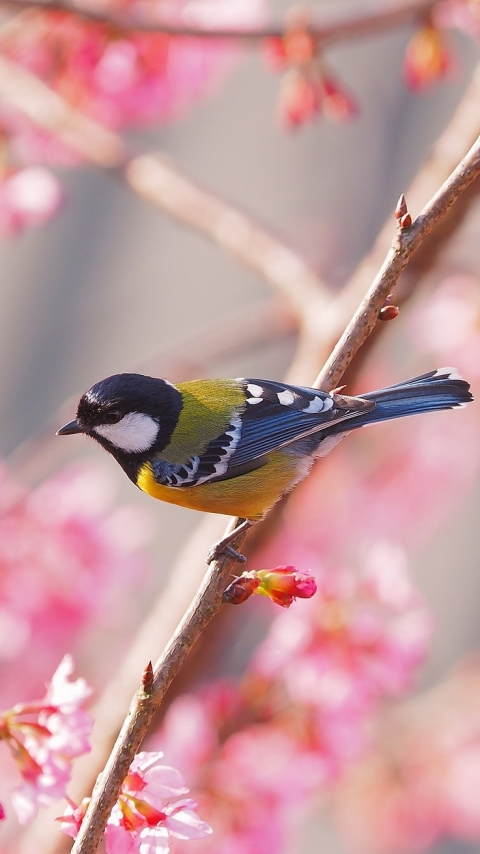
447 324
428 58
28 197
337 103
61 545
44 736
73 816
461 14
282 585
299 99
144 817
145 77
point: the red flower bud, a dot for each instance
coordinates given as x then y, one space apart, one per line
388 312
241 588
284 584
427 59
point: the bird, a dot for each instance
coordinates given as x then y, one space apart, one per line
236 446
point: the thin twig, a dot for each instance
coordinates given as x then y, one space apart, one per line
343 26
404 245
207 601
319 333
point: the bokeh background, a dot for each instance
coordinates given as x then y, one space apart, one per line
111 284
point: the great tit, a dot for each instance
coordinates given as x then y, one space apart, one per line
236 446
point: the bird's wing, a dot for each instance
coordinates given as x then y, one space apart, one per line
275 416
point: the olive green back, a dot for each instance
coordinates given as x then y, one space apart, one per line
208 406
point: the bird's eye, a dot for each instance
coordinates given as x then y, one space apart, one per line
113 417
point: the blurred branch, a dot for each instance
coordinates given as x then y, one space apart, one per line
208 599
344 26
405 244
155 179
317 339
27 94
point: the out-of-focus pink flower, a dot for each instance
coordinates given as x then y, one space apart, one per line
145 817
307 89
337 103
73 816
354 631
427 60
28 197
298 47
44 736
149 76
460 14
274 53
299 99
117 79
421 779
61 546
447 323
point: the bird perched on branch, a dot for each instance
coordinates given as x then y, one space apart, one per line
236 446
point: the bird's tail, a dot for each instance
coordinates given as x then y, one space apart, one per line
440 389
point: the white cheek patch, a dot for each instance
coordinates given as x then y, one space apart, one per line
135 433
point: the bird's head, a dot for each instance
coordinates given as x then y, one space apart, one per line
131 415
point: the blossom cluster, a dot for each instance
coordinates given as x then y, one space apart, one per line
119 77
310 709
145 817
115 75
44 736
68 558
421 782
306 716
301 712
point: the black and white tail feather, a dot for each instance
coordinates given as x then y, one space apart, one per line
436 390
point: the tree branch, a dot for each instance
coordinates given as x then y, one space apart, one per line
404 245
342 27
462 130
207 601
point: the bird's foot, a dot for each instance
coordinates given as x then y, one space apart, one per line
223 547
221 550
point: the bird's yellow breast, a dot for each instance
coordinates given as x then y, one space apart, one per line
249 495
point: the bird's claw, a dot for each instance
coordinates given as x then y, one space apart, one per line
223 546
221 549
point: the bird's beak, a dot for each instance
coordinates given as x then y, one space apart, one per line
70 428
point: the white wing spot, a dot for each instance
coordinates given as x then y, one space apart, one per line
134 433
252 400
286 397
255 390
316 405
